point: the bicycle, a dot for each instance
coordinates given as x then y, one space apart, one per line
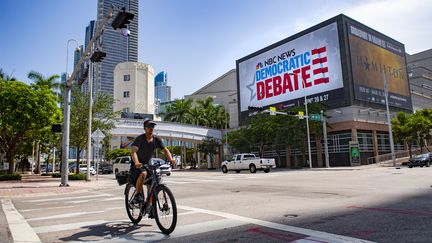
159 200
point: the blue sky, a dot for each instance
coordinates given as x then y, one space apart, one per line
195 41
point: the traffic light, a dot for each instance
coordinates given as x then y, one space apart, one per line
254 108
122 19
97 56
56 128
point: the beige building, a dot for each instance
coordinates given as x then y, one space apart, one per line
224 93
134 88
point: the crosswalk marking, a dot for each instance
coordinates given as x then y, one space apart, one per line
316 234
66 198
72 226
66 215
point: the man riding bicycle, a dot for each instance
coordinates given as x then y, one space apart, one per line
141 152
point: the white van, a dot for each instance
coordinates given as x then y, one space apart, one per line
121 164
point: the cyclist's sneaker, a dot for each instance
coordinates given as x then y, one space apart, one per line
151 216
139 198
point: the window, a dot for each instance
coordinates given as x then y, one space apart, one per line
126 94
126 110
238 157
126 77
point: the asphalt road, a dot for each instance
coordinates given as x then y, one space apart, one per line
321 205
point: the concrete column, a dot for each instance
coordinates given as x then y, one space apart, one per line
375 142
320 151
354 134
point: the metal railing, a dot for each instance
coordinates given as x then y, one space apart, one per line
401 157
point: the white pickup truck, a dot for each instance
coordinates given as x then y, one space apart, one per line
247 162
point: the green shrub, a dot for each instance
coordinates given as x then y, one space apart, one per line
79 176
7 177
47 174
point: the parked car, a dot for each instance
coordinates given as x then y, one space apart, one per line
247 162
83 169
121 163
105 169
420 160
164 168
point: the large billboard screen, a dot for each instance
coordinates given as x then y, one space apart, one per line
372 57
309 65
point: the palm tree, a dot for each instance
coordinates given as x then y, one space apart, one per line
42 82
179 111
197 116
6 77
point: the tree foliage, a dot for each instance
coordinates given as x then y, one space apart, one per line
275 132
117 153
24 112
409 128
103 118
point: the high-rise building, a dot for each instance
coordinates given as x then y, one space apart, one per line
162 90
90 30
118 48
134 88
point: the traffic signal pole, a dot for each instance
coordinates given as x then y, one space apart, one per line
121 21
66 98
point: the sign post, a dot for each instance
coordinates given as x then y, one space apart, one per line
97 137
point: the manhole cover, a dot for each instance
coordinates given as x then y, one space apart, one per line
290 215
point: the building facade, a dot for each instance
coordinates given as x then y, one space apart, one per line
421 79
223 90
134 88
118 48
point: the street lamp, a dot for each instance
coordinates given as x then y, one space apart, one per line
66 118
307 117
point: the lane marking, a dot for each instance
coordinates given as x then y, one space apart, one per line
318 234
18 226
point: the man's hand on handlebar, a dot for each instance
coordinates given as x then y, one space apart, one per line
138 165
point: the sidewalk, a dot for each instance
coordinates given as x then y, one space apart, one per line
35 185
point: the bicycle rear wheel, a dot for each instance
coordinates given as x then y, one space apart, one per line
134 210
165 210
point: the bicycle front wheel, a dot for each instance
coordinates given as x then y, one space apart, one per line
134 209
165 210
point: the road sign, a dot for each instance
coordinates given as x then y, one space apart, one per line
315 117
272 110
98 136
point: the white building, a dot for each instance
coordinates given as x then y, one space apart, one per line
134 88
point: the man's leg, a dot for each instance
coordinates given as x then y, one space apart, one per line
140 181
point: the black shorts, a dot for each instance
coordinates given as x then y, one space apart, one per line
135 172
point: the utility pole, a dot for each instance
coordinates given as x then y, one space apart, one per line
326 154
389 121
